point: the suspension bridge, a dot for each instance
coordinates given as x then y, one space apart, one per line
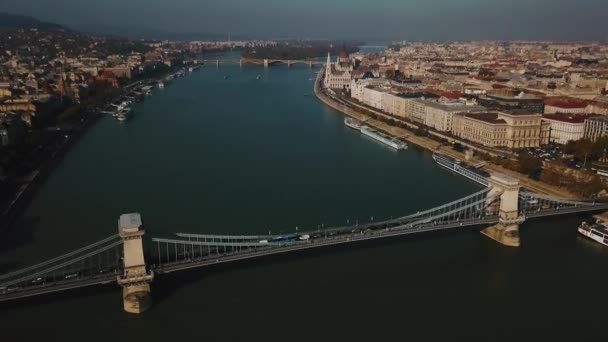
131 259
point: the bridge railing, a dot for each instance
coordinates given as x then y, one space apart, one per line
96 260
474 209
534 204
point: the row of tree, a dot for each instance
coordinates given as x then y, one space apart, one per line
587 151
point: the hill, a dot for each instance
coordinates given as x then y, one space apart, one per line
13 22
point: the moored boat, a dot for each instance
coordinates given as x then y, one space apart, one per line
352 123
597 232
463 169
383 138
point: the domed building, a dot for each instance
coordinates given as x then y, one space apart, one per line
339 74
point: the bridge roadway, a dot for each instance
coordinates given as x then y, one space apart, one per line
343 238
324 241
58 286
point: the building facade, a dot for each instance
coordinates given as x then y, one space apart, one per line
596 127
499 129
565 127
338 75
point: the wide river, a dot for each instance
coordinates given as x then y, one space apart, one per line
247 155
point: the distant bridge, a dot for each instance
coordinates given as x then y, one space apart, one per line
264 61
120 258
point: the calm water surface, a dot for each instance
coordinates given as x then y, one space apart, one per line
208 155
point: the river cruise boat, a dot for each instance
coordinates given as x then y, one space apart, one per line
352 123
383 138
457 166
597 232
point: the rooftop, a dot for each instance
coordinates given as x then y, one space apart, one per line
566 118
521 96
485 117
129 222
561 102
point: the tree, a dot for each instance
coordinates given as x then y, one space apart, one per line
530 166
581 149
592 186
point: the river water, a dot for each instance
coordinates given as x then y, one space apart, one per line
242 155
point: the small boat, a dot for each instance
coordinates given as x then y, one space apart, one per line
258 77
352 123
160 85
597 232
226 77
123 114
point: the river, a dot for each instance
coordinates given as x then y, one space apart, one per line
246 155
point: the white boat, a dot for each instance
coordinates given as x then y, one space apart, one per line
123 105
597 232
123 114
383 138
147 90
160 85
463 169
352 123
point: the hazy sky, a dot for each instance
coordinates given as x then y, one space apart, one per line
377 19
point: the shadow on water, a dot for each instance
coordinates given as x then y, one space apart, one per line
167 285
60 297
18 234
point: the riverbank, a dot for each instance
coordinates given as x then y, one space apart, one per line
430 144
37 177
29 184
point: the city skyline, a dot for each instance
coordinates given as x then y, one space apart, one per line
378 20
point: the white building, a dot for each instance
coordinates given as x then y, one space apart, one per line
438 114
357 86
374 97
565 127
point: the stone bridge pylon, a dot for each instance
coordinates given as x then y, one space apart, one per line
135 278
506 231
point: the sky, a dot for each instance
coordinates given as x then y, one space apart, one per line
333 19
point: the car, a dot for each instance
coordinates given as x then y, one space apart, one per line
72 276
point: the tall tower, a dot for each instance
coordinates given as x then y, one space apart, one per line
135 278
506 231
327 70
